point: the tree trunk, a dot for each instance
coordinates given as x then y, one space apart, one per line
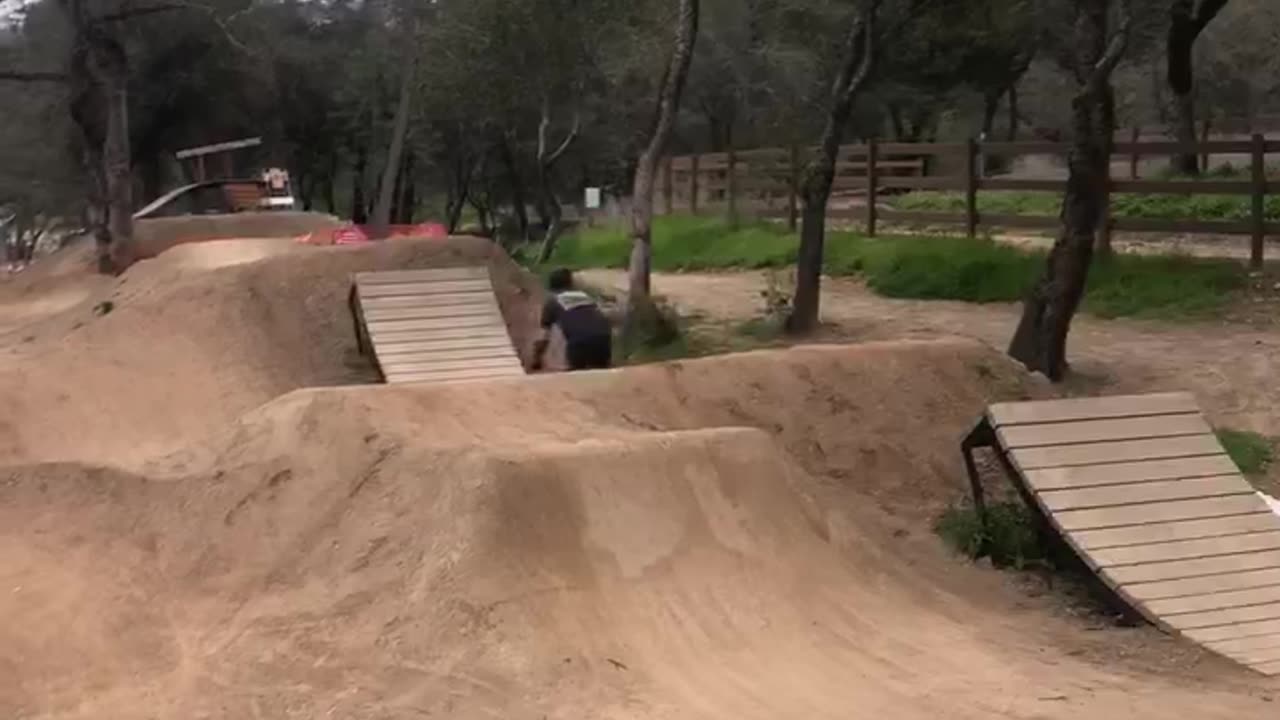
400 128
518 203
1013 114
669 95
859 50
991 164
1187 20
1041 337
548 202
408 193
110 67
359 208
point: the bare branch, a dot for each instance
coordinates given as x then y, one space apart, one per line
135 12
868 50
130 13
1118 42
32 77
568 139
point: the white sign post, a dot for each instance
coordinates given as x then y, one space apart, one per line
593 198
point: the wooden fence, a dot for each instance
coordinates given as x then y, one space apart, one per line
764 183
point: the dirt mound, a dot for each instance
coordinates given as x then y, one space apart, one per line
728 537
184 350
153 236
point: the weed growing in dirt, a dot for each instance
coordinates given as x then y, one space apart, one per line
1010 537
1163 287
657 332
923 267
1251 452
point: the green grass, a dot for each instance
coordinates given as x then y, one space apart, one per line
921 267
1124 205
1251 452
1010 537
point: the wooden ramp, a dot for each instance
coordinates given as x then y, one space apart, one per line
1142 490
432 325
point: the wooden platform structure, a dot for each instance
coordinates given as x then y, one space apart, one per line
432 325
1142 490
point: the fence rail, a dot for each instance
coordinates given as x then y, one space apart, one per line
766 183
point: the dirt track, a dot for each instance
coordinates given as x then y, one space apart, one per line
737 537
1231 367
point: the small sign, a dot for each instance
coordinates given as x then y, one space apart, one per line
593 198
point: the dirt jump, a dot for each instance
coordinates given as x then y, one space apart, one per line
208 511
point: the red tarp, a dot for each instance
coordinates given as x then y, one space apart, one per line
351 234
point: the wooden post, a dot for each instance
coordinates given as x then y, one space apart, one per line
731 186
793 190
873 155
1206 129
1102 243
693 185
1133 154
971 188
200 168
668 187
1256 252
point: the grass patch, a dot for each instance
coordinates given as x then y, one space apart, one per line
1124 205
1251 452
1010 537
922 267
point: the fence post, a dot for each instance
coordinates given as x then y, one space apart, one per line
873 153
731 186
693 185
1256 252
793 189
1134 153
1103 240
668 189
971 188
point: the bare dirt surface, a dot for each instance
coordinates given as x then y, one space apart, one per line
736 537
1231 367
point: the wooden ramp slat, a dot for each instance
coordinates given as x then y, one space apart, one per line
1207 584
1260 521
1271 668
1215 601
1200 567
1089 431
442 375
1121 451
466 321
1228 616
388 302
430 312
1242 504
389 348
1187 549
1246 645
1005 414
434 325
438 334
1143 491
433 275
1082 476
444 287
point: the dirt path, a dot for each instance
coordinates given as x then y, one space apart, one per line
1231 367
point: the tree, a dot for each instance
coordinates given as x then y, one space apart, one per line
1040 340
819 174
668 106
1187 20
